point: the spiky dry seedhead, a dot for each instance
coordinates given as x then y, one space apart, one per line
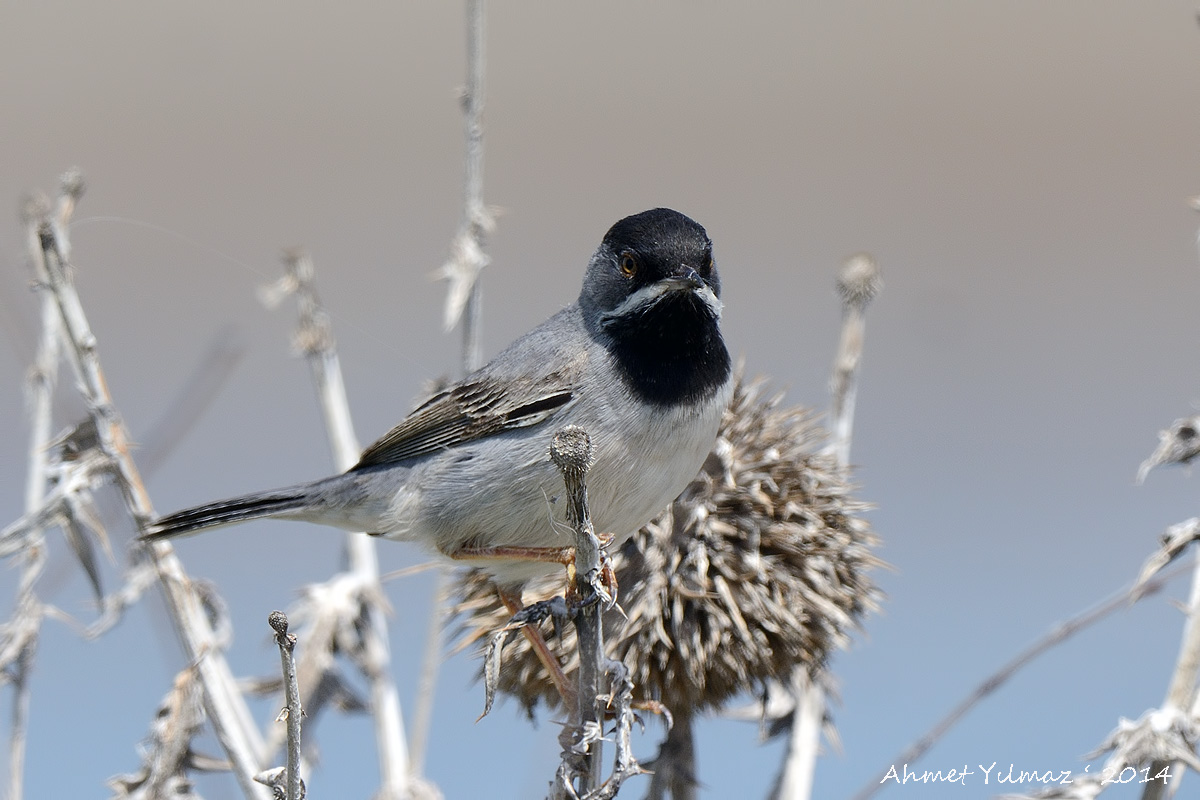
761 565
859 280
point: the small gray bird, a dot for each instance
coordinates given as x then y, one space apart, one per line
638 362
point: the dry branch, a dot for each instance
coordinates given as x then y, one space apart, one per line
464 300
571 452
858 282
293 711
1054 637
334 610
226 708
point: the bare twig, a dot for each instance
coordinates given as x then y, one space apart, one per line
77 465
674 773
620 702
858 282
476 220
795 780
571 452
582 755
20 635
293 711
18 647
1181 693
467 258
1162 742
167 755
464 300
226 708
431 659
1054 637
1173 541
315 340
41 381
1178 444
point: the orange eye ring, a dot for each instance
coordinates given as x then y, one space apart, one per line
629 265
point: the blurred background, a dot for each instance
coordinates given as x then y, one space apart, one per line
1021 171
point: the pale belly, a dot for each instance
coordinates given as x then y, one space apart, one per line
506 493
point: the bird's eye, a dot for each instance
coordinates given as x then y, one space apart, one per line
629 265
708 264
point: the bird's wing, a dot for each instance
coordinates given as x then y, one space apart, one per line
480 406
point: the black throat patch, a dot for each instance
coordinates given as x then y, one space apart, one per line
671 352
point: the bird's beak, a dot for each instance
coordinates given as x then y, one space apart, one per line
685 279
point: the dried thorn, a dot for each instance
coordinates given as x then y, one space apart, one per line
554 608
1178 444
1173 542
491 670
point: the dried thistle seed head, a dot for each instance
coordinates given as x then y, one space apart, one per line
71 183
571 450
859 279
760 566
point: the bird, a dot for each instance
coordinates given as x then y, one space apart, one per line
638 361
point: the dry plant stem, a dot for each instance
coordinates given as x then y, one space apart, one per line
1194 710
1181 694
571 452
363 561
474 226
473 212
291 689
42 379
430 662
857 283
620 701
225 706
70 189
796 779
29 611
845 381
674 768
1056 636
20 719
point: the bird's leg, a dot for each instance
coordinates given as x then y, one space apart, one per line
541 555
547 555
512 601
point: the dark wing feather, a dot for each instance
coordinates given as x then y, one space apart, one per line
478 407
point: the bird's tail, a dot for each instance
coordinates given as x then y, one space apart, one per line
226 512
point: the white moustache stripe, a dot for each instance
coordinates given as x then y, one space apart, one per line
647 296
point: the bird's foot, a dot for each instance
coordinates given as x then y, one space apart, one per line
603 583
526 619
